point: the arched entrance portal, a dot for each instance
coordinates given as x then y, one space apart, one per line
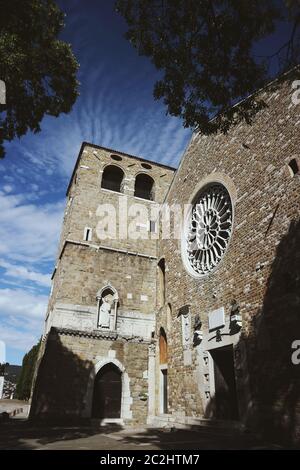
107 393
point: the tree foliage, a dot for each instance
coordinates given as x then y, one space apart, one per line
23 389
39 70
204 49
3 366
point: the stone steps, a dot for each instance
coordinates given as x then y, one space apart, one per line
198 424
109 423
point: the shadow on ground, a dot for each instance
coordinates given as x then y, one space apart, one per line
25 435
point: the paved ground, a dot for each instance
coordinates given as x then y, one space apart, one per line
21 434
10 405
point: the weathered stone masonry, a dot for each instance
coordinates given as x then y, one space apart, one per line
68 368
260 269
184 338
76 346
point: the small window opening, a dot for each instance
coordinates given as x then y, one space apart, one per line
144 187
152 226
146 166
87 234
112 178
116 157
161 291
294 167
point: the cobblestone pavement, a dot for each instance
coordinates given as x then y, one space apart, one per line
21 434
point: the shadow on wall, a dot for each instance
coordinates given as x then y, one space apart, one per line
275 380
25 435
61 383
273 406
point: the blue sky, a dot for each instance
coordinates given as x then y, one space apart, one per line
115 109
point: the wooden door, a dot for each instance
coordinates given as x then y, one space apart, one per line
107 393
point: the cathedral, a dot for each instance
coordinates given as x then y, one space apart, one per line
175 297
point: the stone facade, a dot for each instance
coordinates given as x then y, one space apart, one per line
260 271
76 345
68 368
230 330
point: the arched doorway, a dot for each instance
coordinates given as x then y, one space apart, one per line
107 393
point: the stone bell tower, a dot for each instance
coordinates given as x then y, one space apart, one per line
101 311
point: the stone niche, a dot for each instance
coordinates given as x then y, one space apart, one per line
107 307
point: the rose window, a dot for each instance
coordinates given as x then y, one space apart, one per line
208 229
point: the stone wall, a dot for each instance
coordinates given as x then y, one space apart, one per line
261 269
260 272
85 195
75 346
84 269
64 384
82 318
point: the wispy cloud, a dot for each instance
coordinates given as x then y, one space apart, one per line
28 232
23 273
15 337
7 188
21 317
20 303
115 109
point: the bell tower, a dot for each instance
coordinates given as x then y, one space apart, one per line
108 247
103 299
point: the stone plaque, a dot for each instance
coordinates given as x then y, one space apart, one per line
216 319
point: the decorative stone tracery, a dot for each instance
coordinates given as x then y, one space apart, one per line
208 229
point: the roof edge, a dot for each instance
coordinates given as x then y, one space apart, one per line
268 84
100 147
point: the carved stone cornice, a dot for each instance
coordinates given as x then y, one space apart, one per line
98 334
